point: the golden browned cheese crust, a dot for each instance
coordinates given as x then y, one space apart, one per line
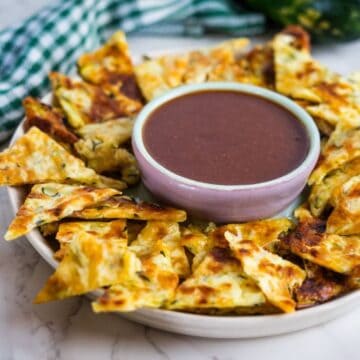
345 218
220 63
47 119
116 132
337 151
197 242
121 207
301 39
37 158
107 231
295 71
323 195
265 233
276 277
88 263
330 98
338 253
152 285
51 202
102 147
111 68
162 260
49 229
105 158
84 103
162 237
257 67
320 285
217 282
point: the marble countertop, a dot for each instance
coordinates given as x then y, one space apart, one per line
69 330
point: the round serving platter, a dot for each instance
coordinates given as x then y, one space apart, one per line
203 325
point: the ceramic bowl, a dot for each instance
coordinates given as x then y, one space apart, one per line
225 203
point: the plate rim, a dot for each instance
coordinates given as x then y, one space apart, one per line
227 327
148 316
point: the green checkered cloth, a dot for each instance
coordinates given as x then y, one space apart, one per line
55 37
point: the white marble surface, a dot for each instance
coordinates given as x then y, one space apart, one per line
69 330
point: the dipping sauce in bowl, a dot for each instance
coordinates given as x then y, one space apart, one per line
224 151
225 137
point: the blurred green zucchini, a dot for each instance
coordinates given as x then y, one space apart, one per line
326 20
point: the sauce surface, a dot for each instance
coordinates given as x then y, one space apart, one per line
226 138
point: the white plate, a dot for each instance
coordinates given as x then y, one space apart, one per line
203 325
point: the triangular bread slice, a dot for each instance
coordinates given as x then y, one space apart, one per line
218 282
338 253
101 148
121 207
111 67
336 152
265 233
322 194
153 285
48 120
345 218
50 202
115 132
161 237
84 103
37 158
89 263
276 277
162 259
219 63
108 231
331 98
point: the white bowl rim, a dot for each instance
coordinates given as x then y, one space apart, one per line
307 121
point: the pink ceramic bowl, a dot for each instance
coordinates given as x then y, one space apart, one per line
225 203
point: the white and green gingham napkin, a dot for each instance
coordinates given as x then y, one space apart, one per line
54 38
